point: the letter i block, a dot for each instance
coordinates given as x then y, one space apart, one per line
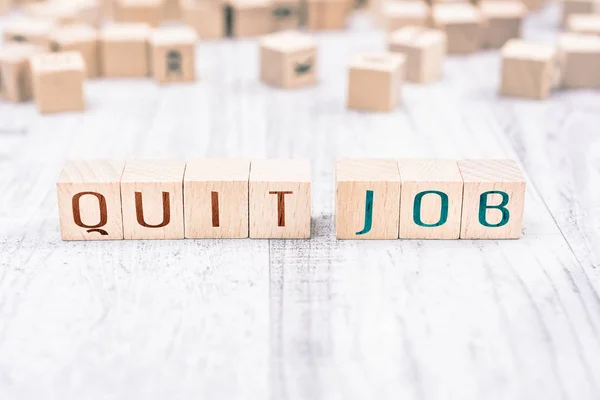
493 199
216 198
431 199
89 200
152 199
173 54
367 199
280 199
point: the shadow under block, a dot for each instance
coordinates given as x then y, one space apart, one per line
251 17
141 11
173 54
374 81
424 49
579 58
288 59
89 200
216 198
326 14
431 199
15 71
279 199
503 21
80 38
206 17
463 25
124 50
528 69
152 199
493 199
287 14
584 23
58 81
570 7
367 199
398 14
31 30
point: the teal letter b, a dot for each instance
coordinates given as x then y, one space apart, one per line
443 209
483 207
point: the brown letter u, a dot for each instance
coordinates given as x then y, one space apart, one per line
139 211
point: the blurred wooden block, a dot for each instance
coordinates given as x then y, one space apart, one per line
375 80
89 200
424 49
280 199
570 7
327 14
152 199
139 11
528 69
251 17
584 23
171 10
431 199
57 11
32 30
463 25
503 21
58 81
124 50
15 71
88 12
173 54
367 199
579 58
288 59
5 6
80 38
399 14
533 5
206 17
286 14
216 198
493 199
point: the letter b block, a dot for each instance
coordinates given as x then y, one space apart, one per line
493 200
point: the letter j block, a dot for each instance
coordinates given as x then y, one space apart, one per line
367 199
493 199
89 200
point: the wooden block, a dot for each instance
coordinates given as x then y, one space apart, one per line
140 11
462 23
89 12
280 199
216 198
584 23
493 199
374 81
431 199
57 11
286 14
58 81
579 59
367 199
327 14
424 49
173 54
171 10
80 38
89 200
570 7
5 6
288 59
32 30
251 17
152 199
206 17
529 70
503 21
124 50
398 14
15 71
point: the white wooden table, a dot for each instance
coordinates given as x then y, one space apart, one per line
317 319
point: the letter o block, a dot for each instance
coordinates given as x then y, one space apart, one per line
89 200
493 199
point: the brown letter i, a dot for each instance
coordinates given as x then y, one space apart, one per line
214 197
139 211
281 207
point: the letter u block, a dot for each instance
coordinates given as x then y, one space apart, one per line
367 199
493 199
280 199
152 199
89 200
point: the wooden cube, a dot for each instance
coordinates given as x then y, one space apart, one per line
503 21
89 200
171 10
15 71
206 17
58 11
124 50
431 199
80 38
286 14
326 14
463 24
173 54
216 198
251 17
58 81
528 69
493 199
152 199
424 49
367 199
398 14
288 59
5 6
32 30
374 81
579 58
141 11
570 7
280 199
584 23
